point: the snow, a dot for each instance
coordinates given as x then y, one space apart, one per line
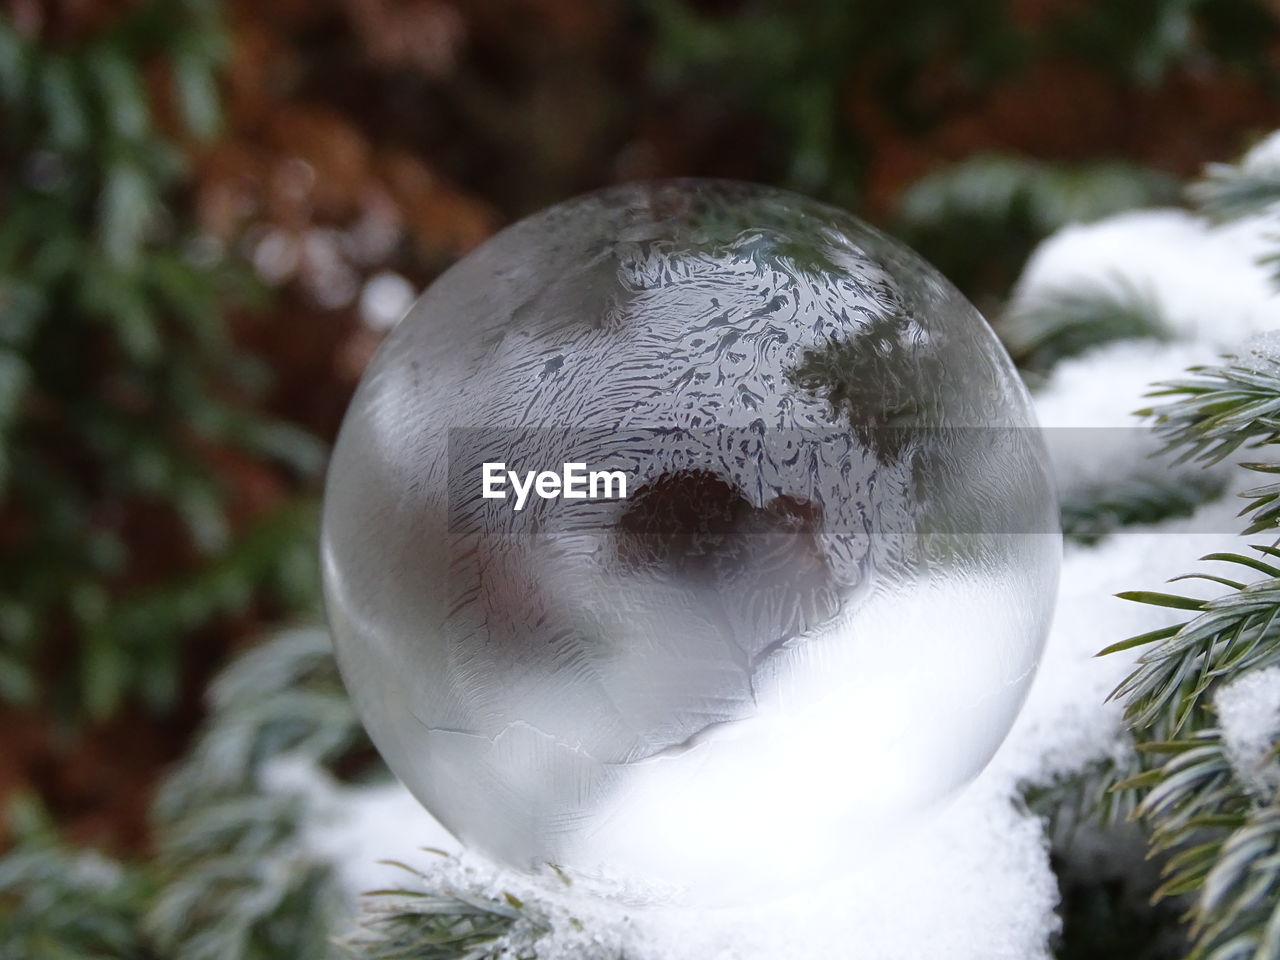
1205 280
954 871
972 882
1263 155
1262 353
1086 409
357 828
1249 714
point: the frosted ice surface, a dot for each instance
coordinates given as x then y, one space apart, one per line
816 613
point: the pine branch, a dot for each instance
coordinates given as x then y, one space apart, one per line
1065 322
443 924
238 882
1089 515
452 915
1231 634
1221 408
1229 191
1232 191
1238 913
1221 840
56 902
999 190
92 253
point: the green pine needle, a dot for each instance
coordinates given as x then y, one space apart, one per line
1221 842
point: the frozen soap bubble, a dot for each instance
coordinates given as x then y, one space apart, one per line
813 616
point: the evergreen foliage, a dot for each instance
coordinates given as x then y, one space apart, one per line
1061 323
1252 187
235 879
118 377
1219 839
1089 515
61 903
983 215
445 924
797 63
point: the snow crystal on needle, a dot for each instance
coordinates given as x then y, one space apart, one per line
1262 352
1249 712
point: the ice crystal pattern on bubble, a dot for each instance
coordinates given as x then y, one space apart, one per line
838 508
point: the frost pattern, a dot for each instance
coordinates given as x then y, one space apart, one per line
629 701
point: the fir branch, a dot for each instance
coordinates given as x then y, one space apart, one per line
1230 191
1250 188
1238 913
238 883
438 925
1220 408
451 915
1089 515
1065 322
1000 189
1222 842
156 394
1223 847
1231 634
56 902
438 928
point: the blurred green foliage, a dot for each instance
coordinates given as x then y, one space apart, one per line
801 66
791 62
978 219
235 878
794 60
61 903
118 377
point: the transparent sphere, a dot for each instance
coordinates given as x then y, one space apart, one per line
815 613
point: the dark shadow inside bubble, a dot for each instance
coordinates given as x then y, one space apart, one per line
696 527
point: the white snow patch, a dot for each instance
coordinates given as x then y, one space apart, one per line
1086 410
1249 713
1263 155
1262 353
357 827
973 883
1205 280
